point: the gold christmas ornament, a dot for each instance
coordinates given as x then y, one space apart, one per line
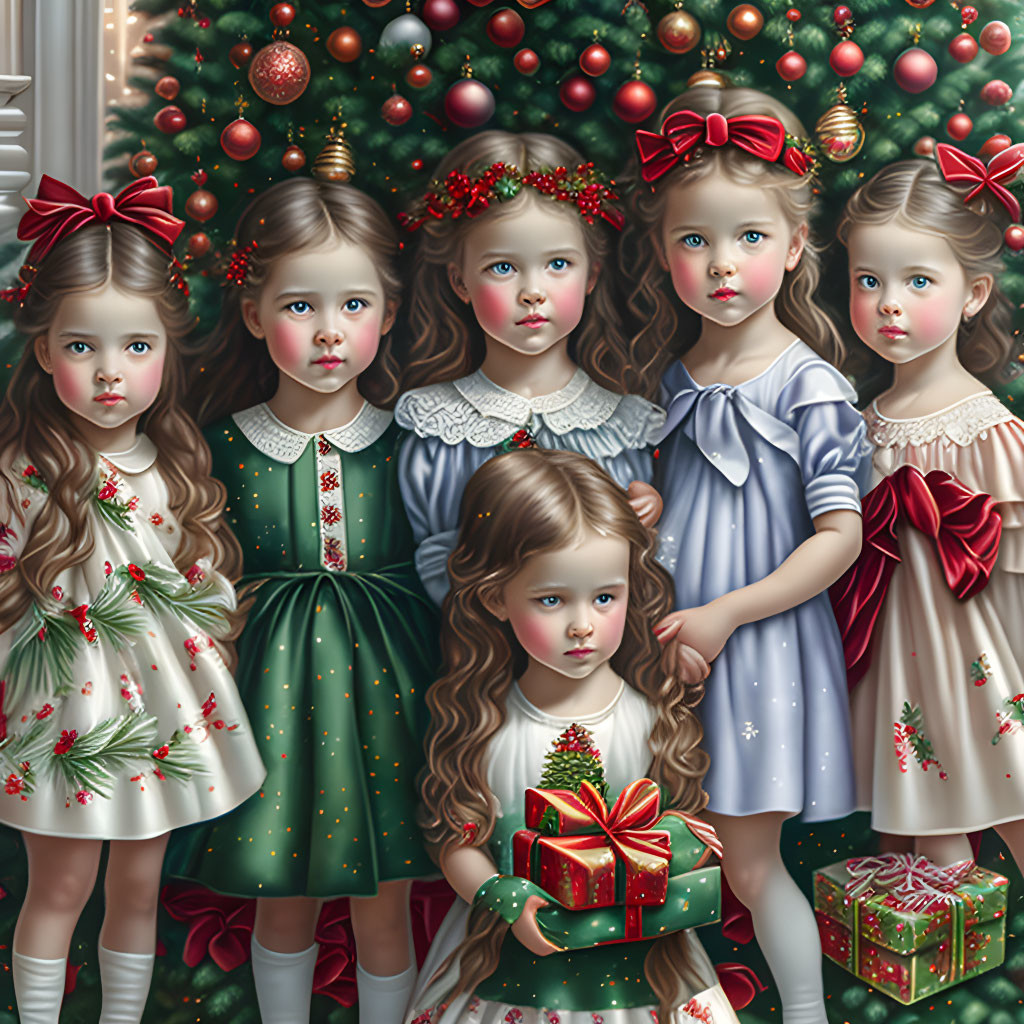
840 135
679 31
334 162
706 76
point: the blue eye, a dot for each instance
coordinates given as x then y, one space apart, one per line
693 241
502 269
354 305
752 237
867 281
549 601
603 600
79 348
299 307
920 281
139 348
558 263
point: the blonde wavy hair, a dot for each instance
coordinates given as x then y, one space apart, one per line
516 506
35 424
446 342
663 329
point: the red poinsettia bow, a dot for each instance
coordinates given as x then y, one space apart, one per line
762 136
963 525
958 166
58 211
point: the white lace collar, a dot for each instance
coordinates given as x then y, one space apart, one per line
285 444
137 459
960 423
493 400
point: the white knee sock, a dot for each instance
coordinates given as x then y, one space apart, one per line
124 978
383 999
38 988
284 983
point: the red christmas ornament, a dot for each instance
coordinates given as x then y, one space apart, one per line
595 60
142 163
924 146
417 164
745 21
396 110
1013 236
968 15
203 23
842 15
199 177
995 144
167 88
345 44
995 37
282 15
240 139
469 103
793 14
959 126
526 62
419 76
915 70
440 15
963 48
846 58
170 120
201 205
679 31
996 93
920 4
791 66
293 159
635 101
279 73
198 244
577 93
240 54
506 28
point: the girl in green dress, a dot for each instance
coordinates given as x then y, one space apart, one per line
340 640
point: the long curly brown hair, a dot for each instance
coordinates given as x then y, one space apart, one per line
662 329
445 340
517 506
291 216
35 424
914 193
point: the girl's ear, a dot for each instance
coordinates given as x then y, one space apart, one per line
458 285
42 350
592 276
796 246
251 318
981 289
390 312
494 602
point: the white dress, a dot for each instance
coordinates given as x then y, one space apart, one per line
949 668
517 752
118 716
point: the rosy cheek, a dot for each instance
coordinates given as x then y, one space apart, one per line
363 339
290 343
863 310
73 384
688 277
762 274
935 319
492 303
534 633
615 623
150 377
567 298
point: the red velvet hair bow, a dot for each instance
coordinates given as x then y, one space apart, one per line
58 211
762 136
957 166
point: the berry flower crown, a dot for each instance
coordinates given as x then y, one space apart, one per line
461 196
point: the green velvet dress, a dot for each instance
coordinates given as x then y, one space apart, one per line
338 649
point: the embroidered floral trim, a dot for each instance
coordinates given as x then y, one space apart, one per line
333 541
980 670
909 738
960 424
1011 721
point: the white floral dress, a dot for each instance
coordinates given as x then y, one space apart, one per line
118 716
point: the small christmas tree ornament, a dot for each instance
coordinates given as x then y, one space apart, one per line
959 126
791 66
963 48
968 16
279 73
574 760
419 76
506 28
707 76
1014 237
996 93
170 120
240 139
440 15
345 44
198 244
595 60
396 110
995 38
469 103
634 101
793 15
915 70
577 93
282 15
167 88
293 159
142 163
842 16
405 32
840 135
745 21
925 146
678 31
846 58
526 62
201 205
240 54
995 144
334 162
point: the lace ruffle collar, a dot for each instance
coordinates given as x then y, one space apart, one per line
961 423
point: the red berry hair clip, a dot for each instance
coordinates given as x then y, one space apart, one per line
238 268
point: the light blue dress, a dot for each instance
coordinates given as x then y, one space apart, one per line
743 471
458 425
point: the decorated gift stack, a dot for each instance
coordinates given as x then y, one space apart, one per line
908 928
620 874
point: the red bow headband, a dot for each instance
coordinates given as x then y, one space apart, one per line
958 166
761 136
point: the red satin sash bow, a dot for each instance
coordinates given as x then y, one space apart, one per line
963 525
762 136
58 211
958 166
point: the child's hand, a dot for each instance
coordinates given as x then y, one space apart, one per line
646 502
527 931
706 628
684 664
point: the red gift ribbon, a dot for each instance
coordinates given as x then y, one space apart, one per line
915 881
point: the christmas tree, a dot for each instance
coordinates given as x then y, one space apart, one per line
572 761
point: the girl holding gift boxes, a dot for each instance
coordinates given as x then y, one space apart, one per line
548 624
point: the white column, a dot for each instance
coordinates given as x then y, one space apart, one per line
14 158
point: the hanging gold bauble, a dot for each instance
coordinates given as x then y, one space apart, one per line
334 162
706 76
679 31
839 133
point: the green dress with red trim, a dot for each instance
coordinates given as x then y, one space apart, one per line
118 717
338 650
